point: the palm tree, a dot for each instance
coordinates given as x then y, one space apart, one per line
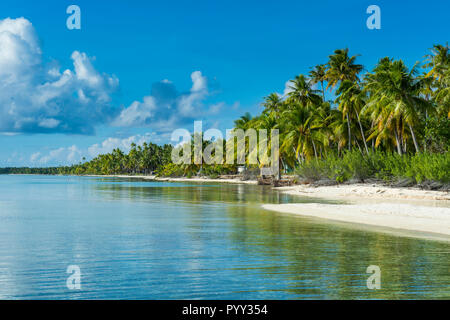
273 103
318 74
302 92
395 100
243 122
438 61
342 67
350 101
303 132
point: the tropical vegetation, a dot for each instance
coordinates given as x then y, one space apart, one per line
339 122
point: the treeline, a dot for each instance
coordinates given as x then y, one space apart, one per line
26 170
391 109
140 160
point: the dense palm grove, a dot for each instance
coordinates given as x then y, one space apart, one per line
391 122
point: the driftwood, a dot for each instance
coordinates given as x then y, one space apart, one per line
265 181
282 183
274 182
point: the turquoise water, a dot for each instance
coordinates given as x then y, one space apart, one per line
157 240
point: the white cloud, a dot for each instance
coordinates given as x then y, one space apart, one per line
35 156
165 107
74 154
287 88
198 82
137 113
124 144
49 123
215 108
35 98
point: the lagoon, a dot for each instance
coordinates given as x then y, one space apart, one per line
167 240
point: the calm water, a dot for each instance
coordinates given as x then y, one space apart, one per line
155 240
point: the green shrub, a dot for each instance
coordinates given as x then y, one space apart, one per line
380 165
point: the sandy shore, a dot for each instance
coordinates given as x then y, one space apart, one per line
409 209
364 192
393 208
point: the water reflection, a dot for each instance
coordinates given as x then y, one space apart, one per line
308 258
158 240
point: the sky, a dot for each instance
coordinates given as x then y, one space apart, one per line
137 70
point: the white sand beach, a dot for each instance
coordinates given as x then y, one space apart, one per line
366 192
408 209
395 208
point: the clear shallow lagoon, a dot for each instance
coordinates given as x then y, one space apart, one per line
158 240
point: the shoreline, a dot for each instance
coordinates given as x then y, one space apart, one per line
419 213
403 209
407 209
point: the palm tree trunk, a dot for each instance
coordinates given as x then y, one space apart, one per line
297 156
349 134
399 148
359 147
323 91
362 133
414 138
405 145
314 147
426 129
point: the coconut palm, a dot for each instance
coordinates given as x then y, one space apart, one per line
342 67
243 122
438 61
302 92
395 100
351 100
318 75
302 133
273 103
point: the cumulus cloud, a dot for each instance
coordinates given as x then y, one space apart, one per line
39 99
69 155
287 88
165 107
74 154
123 144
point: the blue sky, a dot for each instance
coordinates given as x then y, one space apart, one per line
139 69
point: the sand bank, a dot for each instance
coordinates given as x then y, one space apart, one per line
374 205
393 208
364 192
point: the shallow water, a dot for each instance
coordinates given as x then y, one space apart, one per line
162 240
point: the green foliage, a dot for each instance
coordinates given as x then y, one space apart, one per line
140 160
211 171
369 129
170 170
437 134
378 165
